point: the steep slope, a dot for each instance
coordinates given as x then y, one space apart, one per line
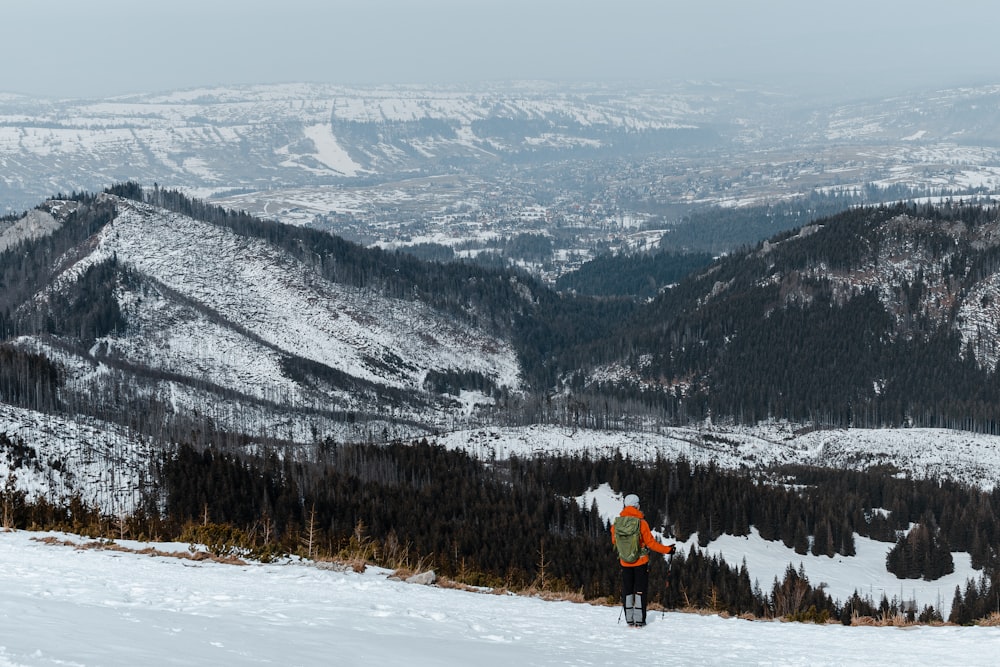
61 457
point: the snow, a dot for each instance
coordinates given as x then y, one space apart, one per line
330 152
924 453
35 224
101 462
61 605
842 575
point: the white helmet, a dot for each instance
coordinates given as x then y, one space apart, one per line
631 500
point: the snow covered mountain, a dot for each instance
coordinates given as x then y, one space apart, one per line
138 322
165 326
237 332
263 137
308 138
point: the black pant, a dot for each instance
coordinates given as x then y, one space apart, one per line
635 581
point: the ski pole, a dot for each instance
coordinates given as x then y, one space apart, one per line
670 562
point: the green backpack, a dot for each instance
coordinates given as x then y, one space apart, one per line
628 539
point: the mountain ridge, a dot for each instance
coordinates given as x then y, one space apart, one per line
268 138
858 313
290 316
198 301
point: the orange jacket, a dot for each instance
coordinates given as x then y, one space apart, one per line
648 540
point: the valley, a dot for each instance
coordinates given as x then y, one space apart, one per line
293 310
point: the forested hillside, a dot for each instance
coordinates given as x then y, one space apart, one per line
639 276
517 523
724 229
875 317
138 293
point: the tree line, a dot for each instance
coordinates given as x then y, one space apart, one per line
509 522
516 522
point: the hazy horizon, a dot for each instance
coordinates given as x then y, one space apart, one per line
67 49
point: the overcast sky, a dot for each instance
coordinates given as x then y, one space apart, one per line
96 48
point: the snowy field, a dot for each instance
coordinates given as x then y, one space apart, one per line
923 453
66 606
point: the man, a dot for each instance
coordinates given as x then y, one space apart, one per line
632 538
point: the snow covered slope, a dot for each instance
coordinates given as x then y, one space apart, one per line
217 323
34 224
285 306
61 457
60 605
